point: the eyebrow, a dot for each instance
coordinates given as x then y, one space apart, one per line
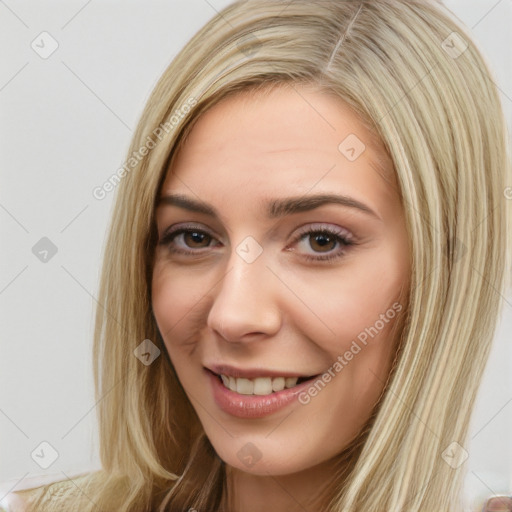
275 208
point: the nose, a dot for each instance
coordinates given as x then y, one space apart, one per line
245 306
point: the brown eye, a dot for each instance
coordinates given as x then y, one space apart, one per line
322 242
180 240
192 238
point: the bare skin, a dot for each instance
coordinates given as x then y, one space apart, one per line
261 304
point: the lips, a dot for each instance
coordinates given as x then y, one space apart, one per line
259 385
257 382
231 371
257 396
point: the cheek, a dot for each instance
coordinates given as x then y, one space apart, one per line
176 302
178 311
359 301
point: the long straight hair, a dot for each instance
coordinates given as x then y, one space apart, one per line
413 74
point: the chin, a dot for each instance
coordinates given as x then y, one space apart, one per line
259 455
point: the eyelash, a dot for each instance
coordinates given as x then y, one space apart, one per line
168 238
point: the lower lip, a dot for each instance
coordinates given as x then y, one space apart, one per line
253 406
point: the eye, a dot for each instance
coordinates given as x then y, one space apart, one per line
326 242
186 237
323 240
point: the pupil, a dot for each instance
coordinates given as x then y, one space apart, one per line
326 240
197 237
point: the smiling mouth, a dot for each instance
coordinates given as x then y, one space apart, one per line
260 385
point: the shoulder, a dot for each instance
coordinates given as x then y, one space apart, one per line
497 502
16 495
14 502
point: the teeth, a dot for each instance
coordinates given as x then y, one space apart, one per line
262 386
244 386
278 384
289 382
258 386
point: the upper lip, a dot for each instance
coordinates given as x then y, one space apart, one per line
252 373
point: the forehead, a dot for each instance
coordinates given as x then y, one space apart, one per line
289 138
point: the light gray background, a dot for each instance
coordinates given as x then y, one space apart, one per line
66 122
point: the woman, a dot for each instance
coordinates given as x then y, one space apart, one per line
304 270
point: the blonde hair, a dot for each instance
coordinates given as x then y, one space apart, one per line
415 77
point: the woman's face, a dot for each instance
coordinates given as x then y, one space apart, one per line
282 256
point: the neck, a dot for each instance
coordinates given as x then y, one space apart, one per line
297 492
